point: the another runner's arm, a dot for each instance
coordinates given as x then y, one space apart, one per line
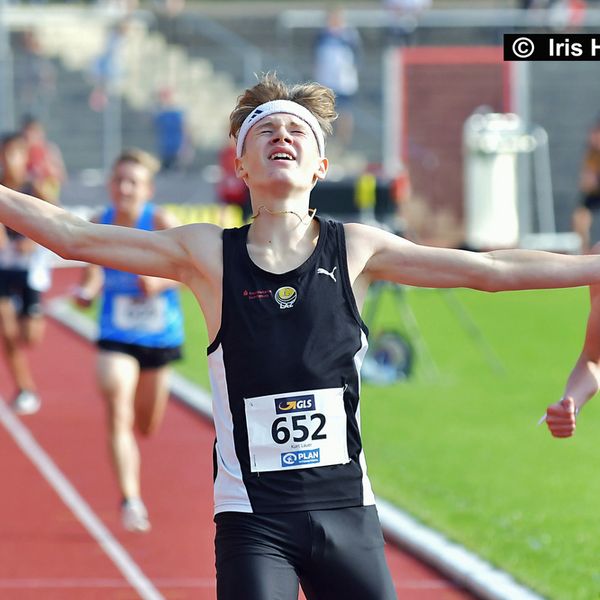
584 381
383 255
92 282
161 253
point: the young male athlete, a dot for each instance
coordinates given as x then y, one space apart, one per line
281 299
141 331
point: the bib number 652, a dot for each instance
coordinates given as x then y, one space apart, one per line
300 429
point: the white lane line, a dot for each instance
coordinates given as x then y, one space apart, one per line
91 583
69 495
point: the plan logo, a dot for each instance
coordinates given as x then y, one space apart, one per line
301 457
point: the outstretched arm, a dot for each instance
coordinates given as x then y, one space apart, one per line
159 253
378 254
584 381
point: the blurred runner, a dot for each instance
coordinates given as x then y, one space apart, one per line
24 275
141 332
45 165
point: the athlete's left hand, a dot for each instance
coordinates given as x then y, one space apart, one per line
561 418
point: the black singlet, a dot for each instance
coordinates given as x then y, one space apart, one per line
285 374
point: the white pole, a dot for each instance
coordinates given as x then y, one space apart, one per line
521 105
393 106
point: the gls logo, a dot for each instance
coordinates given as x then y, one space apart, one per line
291 404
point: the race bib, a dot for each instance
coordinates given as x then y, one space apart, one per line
142 314
297 430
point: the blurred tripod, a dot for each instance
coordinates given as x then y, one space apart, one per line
391 354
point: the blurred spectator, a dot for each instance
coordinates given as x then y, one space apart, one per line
586 218
45 165
107 70
35 77
560 15
566 15
173 143
404 18
230 188
336 54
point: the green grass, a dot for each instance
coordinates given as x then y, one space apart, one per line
461 451
463 454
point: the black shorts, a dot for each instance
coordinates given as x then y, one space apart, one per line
14 285
147 357
335 554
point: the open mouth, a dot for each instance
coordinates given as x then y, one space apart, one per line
281 156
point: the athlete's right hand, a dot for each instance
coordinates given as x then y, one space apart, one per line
561 418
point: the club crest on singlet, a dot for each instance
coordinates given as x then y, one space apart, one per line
286 296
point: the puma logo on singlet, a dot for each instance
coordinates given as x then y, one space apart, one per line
323 271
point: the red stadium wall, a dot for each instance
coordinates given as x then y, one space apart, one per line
437 89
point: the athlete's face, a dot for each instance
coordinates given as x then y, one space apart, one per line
130 186
281 149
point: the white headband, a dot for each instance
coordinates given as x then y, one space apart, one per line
280 106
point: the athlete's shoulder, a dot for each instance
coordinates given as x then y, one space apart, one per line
357 232
362 231
366 240
200 232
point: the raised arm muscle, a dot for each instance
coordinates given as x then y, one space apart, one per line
389 257
160 253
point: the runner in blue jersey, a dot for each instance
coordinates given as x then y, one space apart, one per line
140 331
281 299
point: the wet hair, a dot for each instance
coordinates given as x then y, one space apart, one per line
316 98
139 157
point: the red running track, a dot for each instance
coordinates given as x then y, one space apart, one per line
45 550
